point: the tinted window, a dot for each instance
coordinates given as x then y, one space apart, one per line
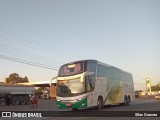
103 71
90 83
116 73
71 69
109 72
91 66
90 79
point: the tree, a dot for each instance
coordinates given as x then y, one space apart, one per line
15 78
155 88
25 79
40 89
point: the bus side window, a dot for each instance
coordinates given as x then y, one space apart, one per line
102 72
91 66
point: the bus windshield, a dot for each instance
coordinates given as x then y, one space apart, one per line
71 69
67 88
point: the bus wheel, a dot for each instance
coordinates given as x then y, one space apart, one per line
15 101
99 103
28 101
128 100
22 101
125 101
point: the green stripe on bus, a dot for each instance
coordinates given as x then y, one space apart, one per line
79 104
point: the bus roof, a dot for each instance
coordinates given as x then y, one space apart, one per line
99 62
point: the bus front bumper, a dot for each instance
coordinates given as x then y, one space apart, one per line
75 105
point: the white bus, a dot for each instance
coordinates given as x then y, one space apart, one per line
89 83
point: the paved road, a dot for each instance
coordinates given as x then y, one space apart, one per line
50 105
147 104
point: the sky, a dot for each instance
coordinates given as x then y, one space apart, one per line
50 33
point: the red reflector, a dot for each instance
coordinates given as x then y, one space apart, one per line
68 104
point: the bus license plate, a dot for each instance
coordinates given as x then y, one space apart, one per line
68 104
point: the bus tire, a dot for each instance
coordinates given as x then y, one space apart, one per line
128 100
125 101
8 102
22 101
15 101
99 103
28 101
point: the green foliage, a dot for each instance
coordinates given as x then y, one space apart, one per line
15 78
40 89
155 88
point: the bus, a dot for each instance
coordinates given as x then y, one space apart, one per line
91 83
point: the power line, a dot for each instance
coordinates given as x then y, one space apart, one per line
26 62
28 40
33 48
23 54
24 57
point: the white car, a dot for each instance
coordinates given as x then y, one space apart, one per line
157 97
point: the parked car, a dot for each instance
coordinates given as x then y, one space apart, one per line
157 97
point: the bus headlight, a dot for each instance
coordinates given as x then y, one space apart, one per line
80 99
83 104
